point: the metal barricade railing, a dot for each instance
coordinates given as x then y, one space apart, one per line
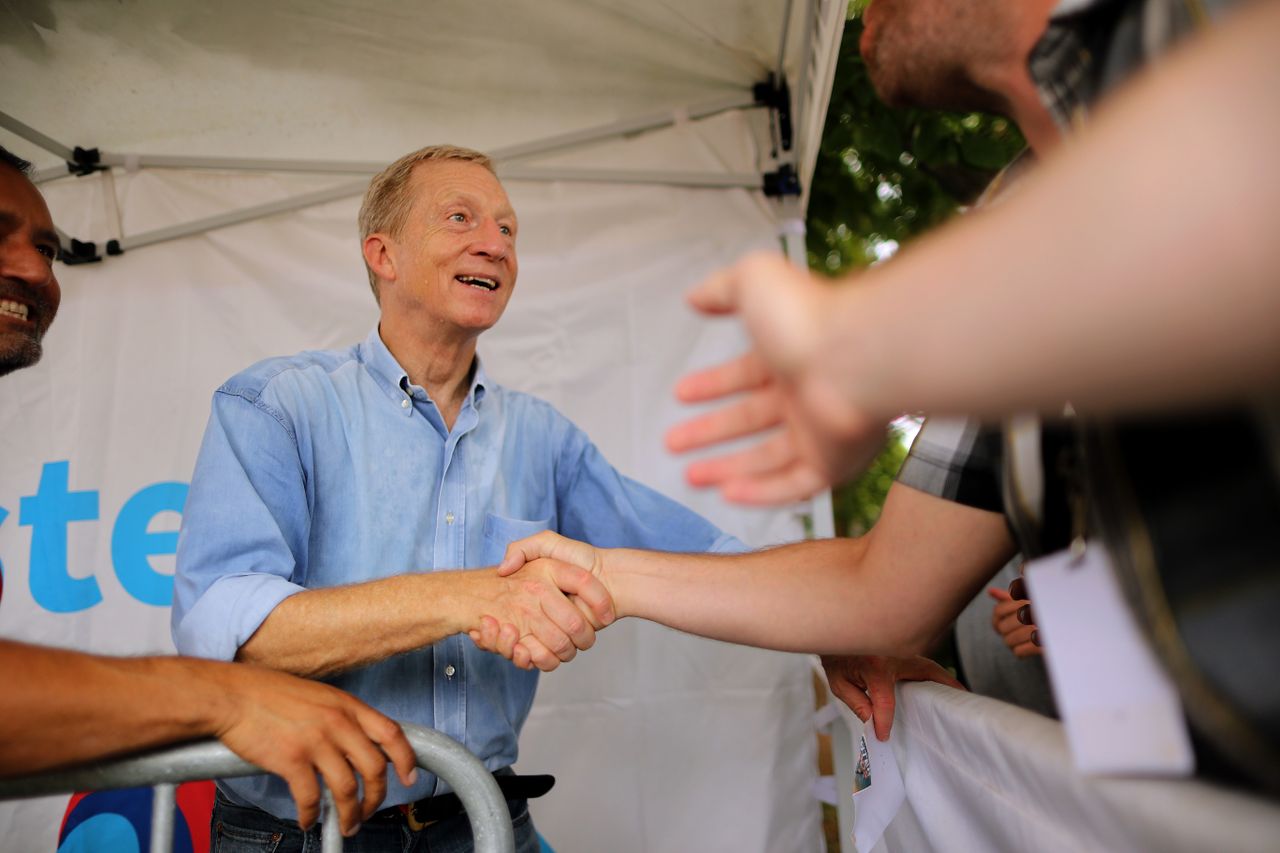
165 769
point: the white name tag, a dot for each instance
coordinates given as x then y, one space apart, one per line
1120 709
878 792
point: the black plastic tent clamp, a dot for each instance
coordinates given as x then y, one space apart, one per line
85 161
783 182
775 94
79 253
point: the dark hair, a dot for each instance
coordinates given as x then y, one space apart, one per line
11 159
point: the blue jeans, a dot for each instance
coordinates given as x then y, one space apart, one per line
236 829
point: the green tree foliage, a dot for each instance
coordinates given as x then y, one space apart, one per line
857 504
883 176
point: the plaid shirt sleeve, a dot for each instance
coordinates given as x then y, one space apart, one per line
956 459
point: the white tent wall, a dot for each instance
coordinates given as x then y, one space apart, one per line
660 741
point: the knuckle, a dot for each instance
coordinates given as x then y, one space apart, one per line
294 756
383 727
308 800
344 788
331 716
370 762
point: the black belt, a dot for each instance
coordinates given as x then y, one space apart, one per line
425 812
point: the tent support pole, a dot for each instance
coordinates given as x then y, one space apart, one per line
35 137
780 67
791 231
707 180
49 173
696 180
346 190
625 127
805 65
241 164
260 211
823 34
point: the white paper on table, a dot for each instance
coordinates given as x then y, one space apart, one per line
876 804
1120 708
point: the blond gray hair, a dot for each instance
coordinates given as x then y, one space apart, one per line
385 208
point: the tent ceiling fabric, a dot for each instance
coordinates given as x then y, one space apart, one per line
362 80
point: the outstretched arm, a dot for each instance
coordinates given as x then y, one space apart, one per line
1117 277
889 592
1123 275
60 707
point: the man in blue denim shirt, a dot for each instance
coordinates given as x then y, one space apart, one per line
337 496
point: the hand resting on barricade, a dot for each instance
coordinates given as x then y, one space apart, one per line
303 730
865 683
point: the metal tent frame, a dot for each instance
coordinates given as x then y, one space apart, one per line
788 108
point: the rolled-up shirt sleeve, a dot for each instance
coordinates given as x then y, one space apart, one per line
244 530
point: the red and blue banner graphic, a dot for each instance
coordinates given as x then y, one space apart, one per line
120 821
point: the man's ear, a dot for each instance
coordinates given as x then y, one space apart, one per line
377 254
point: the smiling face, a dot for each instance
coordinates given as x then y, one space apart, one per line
29 293
452 267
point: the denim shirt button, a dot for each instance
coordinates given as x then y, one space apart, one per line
449 671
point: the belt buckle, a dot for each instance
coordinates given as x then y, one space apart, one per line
411 817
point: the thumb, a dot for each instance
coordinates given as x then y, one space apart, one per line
512 561
715 294
523 550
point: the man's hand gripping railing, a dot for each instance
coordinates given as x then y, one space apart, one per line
166 768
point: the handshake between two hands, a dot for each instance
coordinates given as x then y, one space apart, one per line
805 443
567 598
559 591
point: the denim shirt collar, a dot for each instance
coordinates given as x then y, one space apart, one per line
393 380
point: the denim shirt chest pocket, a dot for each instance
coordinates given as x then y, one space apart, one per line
499 532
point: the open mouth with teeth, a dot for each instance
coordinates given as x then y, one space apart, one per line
10 308
488 284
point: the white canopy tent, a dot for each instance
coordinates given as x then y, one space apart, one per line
344 88
237 138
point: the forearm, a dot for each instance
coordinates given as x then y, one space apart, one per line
816 596
1135 271
888 592
319 632
59 707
